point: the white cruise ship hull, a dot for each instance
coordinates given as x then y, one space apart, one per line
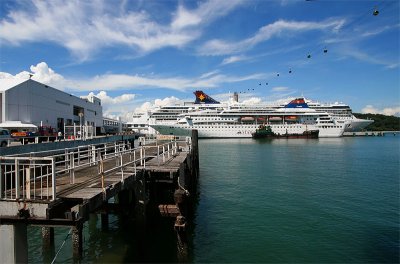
243 131
356 125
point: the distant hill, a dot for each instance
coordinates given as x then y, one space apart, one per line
381 122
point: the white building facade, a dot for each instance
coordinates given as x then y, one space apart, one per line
39 104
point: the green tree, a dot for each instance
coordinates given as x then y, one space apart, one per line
381 122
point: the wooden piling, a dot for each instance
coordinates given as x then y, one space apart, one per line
48 248
47 237
14 243
182 241
141 200
77 240
104 221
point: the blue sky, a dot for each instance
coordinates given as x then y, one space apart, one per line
134 54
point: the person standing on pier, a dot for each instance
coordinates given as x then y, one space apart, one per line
59 135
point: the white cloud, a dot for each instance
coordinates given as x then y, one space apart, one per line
252 101
24 75
123 81
111 82
157 103
391 111
208 74
220 47
41 73
379 30
114 107
280 89
144 107
368 57
281 97
119 81
233 59
122 105
361 32
166 101
184 18
85 27
107 100
44 74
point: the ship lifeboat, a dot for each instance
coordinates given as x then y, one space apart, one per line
261 119
275 118
291 118
247 119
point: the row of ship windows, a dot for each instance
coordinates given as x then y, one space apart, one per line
284 127
233 119
287 127
224 127
230 119
249 127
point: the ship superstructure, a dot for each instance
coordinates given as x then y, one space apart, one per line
342 113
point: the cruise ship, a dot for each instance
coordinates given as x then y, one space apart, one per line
234 122
340 112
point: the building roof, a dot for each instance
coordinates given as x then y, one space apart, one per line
6 84
16 124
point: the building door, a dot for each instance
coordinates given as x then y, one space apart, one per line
60 124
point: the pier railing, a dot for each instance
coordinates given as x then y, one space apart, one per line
20 174
31 177
163 152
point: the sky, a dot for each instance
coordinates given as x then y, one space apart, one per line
137 54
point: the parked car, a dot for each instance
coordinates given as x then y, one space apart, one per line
4 137
44 133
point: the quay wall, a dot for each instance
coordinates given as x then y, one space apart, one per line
370 133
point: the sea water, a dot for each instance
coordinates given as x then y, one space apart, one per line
281 200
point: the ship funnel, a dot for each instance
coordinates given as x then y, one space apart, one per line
236 97
202 98
297 103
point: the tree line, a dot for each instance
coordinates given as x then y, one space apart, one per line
381 122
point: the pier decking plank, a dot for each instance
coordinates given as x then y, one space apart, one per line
91 182
84 194
170 165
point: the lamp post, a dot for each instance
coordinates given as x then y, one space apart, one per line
80 124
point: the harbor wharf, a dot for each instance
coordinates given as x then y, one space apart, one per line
371 133
61 187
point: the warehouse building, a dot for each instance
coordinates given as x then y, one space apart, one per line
35 103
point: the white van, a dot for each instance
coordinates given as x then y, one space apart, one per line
4 137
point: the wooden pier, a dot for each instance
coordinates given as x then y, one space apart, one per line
62 187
